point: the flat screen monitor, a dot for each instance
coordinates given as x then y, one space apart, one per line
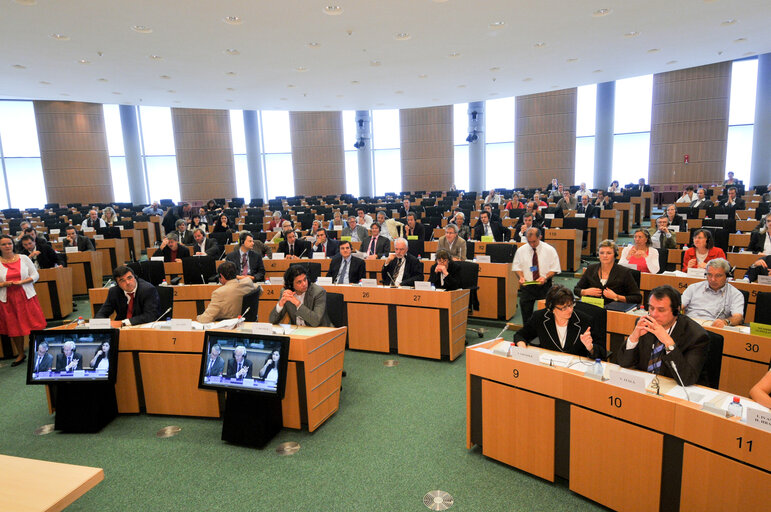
72 355
234 361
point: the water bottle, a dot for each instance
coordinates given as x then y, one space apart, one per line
81 322
735 408
163 283
597 367
168 322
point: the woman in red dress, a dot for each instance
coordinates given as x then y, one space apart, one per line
20 311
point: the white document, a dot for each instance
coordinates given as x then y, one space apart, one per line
634 381
482 258
69 250
156 258
550 359
262 328
697 394
278 256
319 256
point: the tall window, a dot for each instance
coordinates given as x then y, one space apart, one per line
586 117
741 118
499 147
117 152
22 171
460 132
351 153
277 153
159 153
386 143
632 129
238 137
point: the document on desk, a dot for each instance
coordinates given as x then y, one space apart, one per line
698 395
556 360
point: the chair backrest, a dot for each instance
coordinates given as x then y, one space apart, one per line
251 301
153 272
336 309
713 358
313 270
500 253
166 294
222 237
763 308
198 269
469 275
470 249
598 319
415 247
136 267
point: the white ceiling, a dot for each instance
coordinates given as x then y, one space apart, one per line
191 37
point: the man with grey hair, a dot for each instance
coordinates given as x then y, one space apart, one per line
215 364
452 243
402 268
464 230
68 360
714 302
239 367
172 250
185 235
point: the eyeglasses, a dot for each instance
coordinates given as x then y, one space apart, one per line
565 307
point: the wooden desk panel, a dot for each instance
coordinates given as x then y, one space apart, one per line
603 473
567 242
114 252
361 319
170 383
54 292
614 222
86 270
418 332
625 210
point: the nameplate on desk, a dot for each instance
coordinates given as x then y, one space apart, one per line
324 280
594 301
432 257
764 279
525 355
548 216
721 216
714 409
368 282
262 328
120 227
79 373
580 215
487 239
69 250
423 285
345 238
483 258
758 329
696 272
278 256
337 228
319 256
181 324
412 237
88 230
156 258
99 323
631 266
98 237
759 419
277 280
627 380
675 229
54 232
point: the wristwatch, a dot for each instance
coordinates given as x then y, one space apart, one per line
671 347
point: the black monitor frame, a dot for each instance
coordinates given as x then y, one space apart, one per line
37 337
280 343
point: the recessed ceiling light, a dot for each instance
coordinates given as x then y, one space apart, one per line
653 50
555 86
402 36
314 45
495 25
539 44
454 55
43 82
495 68
339 95
747 54
571 59
493 94
671 62
398 92
461 86
528 79
439 1
355 82
284 99
375 63
230 89
231 51
155 57
165 77
726 23
740 40
327 106
229 100
177 101
290 86
19 66
171 91
423 75
63 94
597 71
84 61
60 37
380 104
633 33
333 10
301 69
26 2
116 93
231 73
232 20
101 80
142 29
599 13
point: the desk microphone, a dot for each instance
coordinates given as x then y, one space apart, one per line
223 253
162 314
108 283
674 368
502 331
304 249
391 277
243 315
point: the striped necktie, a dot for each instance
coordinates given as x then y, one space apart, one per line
654 363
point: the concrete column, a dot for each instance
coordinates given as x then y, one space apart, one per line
476 149
364 153
760 170
254 155
603 135
132 147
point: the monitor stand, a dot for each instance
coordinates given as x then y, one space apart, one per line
84 407
251 419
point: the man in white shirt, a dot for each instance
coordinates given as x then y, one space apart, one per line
93 221
688 196
582 191
714 302
363 219
535 263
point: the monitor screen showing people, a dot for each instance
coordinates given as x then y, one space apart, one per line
72 355
245 362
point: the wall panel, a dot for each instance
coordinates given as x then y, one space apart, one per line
318 160
428 155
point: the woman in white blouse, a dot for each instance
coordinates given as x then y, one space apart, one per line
101 360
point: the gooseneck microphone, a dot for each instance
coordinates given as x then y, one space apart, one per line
674 368
162 314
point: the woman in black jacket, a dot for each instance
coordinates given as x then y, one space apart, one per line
445 273
608 279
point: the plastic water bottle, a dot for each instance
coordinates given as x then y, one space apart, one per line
81 322
597 367
163 283
735 408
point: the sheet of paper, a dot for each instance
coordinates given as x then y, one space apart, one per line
556 360
697 394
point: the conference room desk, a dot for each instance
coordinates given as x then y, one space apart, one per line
54 292
622 449
114 252
136 243
613 217
745 356
626 212
29 485
567 242
86 270
598 231
158 374
147 233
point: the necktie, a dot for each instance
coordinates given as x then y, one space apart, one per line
69 360
399 262
291 250
654 363
130 308
536 273
343 272
372 246
208 370
244 264
239 368
37 364
487 230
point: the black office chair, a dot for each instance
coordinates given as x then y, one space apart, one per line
598 320
469 280
470 249
251 301
763 308
713 360
199 269
336 309
153 272
312 269
166 294
136 268
416 247
222 237
500 253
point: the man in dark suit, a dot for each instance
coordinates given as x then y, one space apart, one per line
204 246
664 338
43 360
414 228
445 273
520 231
73 239
172 249
304 302
239 367
402 268
248 263
68 360
43 256
604 201
732 202
325 245
294 248
494 217
134 300
215 365
485 227
701 201
375 246
346 268
586 208
184 234
641 186
404 210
